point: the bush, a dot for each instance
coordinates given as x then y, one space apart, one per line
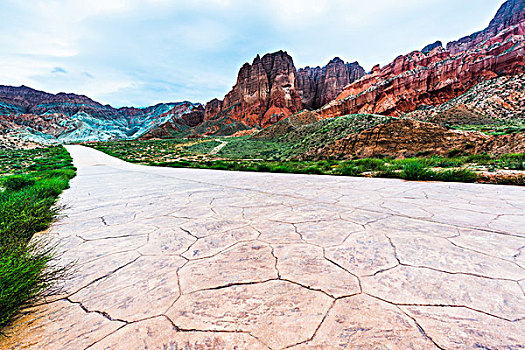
417 171
26 207
281 169
312 170
370 164
17 182
349 170
457 175
263 168
389 172
27 274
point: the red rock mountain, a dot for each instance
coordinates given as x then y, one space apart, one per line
435 77
271 89
510 13
265 91
318 86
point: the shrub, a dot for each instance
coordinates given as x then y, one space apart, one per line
417 171
263 168
312 170
27 274
27 270
349 170
449 163
17 182
370 164
389 172
281 169
457 175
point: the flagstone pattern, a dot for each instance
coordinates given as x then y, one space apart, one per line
200 259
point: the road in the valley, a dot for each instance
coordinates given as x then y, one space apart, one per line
201 259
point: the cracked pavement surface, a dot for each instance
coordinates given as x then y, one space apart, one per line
201 259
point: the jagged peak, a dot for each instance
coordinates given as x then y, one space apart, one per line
336 60
432 46
510 13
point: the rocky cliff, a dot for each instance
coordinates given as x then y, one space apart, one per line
271 89
265 92
500 100
408 138
421 79
318 86
511 13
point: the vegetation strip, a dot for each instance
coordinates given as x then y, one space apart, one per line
246 154
30 183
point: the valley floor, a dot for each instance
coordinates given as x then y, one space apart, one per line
186 258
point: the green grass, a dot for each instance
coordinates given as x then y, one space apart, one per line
248 154
275 149
246 148
503 128
31 181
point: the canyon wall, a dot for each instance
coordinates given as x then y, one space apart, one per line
271 89
436 75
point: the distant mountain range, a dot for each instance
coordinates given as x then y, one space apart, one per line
422 84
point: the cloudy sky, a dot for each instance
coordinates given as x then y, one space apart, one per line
140 52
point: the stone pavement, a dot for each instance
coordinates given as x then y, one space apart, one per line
200 259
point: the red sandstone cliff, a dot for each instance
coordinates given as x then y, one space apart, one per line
271 89
439 75
318 86
264 93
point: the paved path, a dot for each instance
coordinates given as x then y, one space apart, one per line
219 147
197 259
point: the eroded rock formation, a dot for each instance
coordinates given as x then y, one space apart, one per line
511 13
271 89
264 93
318 86
408 138
435 77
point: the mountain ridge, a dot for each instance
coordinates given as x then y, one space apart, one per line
271 89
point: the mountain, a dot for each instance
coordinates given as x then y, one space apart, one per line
265 91
271 89
318 86
477 79
48 118
511 13
436 75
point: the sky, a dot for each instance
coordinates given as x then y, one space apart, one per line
142 52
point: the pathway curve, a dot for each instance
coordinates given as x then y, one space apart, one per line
200 259
219 147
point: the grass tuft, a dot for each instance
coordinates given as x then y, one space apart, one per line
27 206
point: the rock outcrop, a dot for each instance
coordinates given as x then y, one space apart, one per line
318 86
264 93
213 108
431 47
511 13
271 89
408 138
433 78
500 100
